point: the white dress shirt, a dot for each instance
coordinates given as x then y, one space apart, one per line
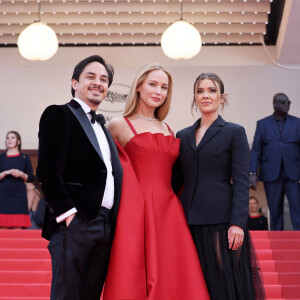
108 196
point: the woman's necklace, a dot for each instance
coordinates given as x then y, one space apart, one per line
146 118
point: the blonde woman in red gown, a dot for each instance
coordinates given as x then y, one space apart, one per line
153 255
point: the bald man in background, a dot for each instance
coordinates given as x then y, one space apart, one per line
276 153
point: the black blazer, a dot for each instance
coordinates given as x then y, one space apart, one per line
214 175
70 165
270 149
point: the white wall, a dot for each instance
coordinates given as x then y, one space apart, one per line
26 88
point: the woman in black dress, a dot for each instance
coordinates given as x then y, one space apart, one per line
15 170
213 173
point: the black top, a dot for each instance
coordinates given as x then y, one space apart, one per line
257 223
214 174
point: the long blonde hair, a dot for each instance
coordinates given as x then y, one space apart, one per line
133 97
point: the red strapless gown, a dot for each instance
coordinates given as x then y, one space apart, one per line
153 254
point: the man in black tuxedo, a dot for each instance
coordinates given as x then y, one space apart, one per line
276 150
81 175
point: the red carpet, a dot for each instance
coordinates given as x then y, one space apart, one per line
25 266
279 257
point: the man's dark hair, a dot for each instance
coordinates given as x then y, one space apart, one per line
82 64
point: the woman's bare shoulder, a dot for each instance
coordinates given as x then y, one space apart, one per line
116 122
115 126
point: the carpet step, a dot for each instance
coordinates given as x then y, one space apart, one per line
264 254
24 254
24 290
25 264
280 244
29 298
285 244
273 291
16 277
291 291
26 243
278 255
259 234
287 266
284 235
291 255
273 235
289 279
270 278
267 266
281 278
20 233
262 244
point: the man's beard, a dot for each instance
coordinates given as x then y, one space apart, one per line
95 101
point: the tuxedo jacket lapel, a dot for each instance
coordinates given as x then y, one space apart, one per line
214 128
85 124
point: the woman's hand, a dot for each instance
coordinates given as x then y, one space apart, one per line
19 174
235 237
5 173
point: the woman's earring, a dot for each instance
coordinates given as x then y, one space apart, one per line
196 108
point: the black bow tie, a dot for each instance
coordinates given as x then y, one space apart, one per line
99 118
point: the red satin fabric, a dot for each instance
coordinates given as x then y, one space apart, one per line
153 255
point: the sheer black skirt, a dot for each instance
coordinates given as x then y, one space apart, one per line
229 275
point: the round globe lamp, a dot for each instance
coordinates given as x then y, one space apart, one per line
38 41
181 40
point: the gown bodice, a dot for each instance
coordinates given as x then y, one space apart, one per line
153 156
